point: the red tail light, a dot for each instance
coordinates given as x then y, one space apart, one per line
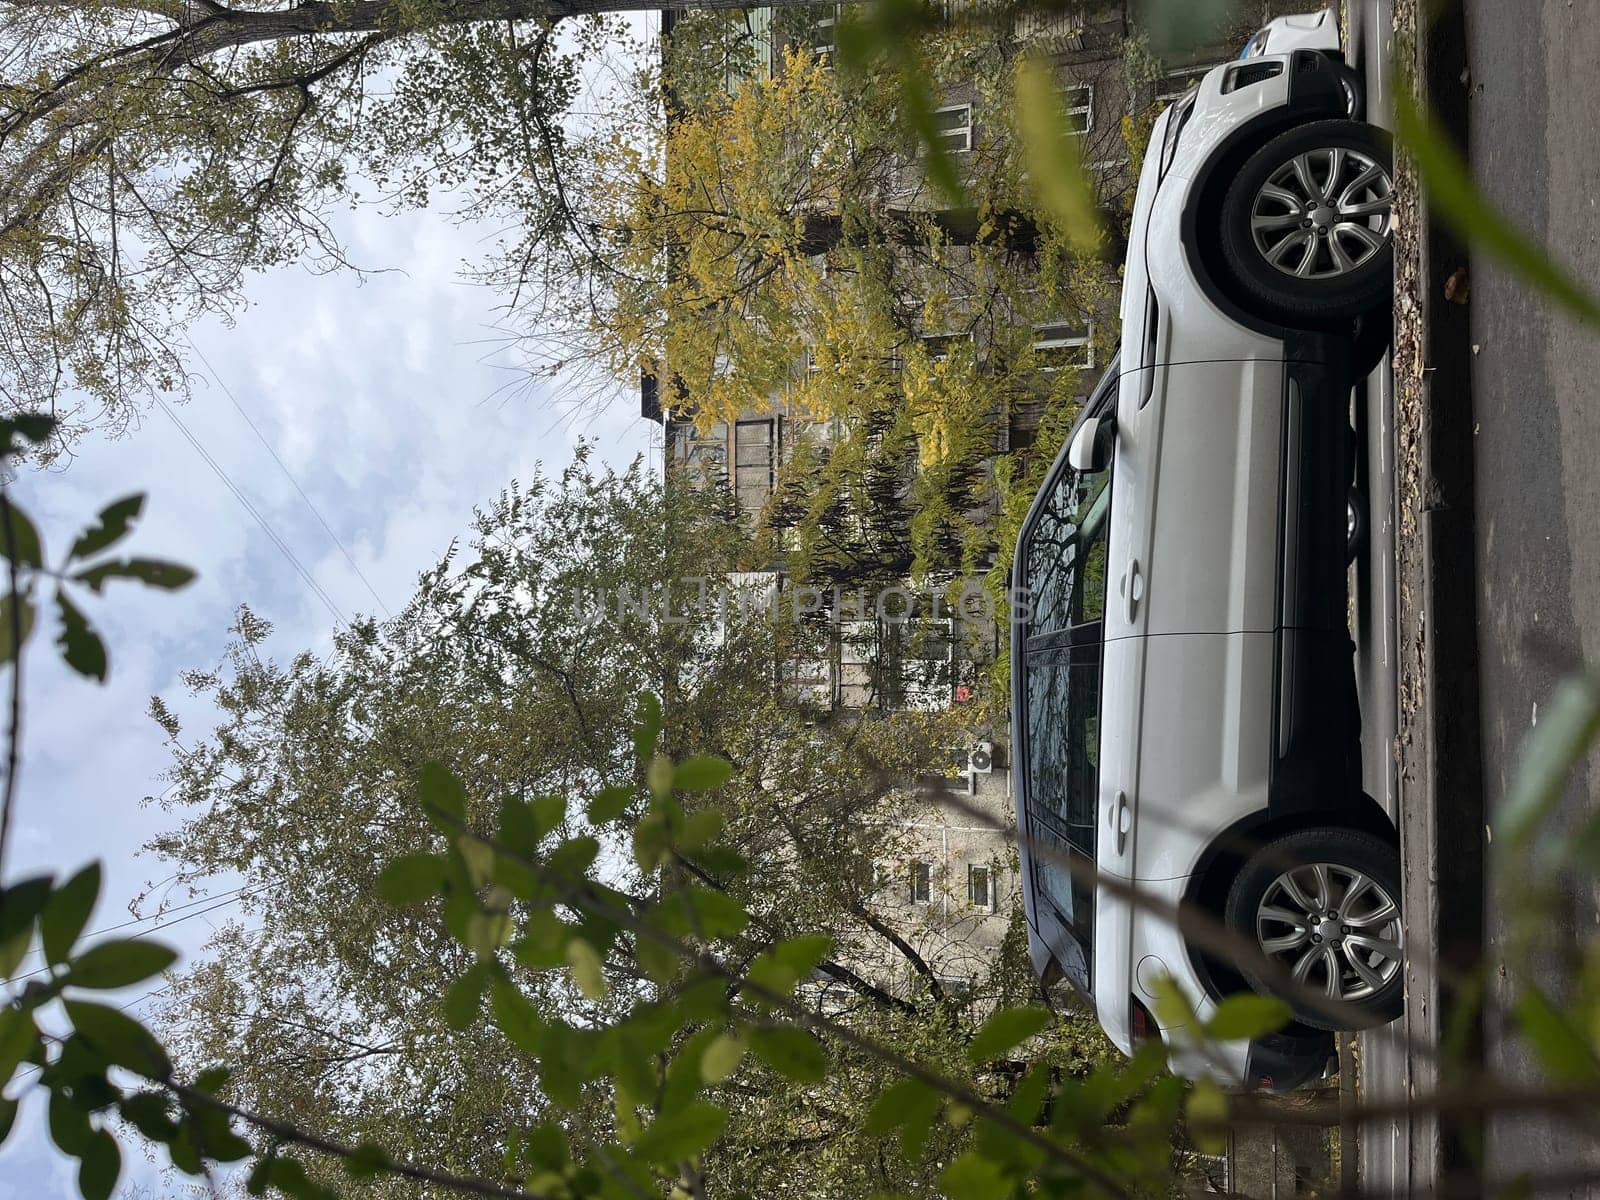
1143 1025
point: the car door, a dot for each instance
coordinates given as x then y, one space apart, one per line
1204 575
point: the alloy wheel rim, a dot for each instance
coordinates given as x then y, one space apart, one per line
1333 928
1324 213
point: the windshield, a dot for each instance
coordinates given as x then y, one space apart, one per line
1057 654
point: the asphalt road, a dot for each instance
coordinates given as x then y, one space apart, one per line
1535 145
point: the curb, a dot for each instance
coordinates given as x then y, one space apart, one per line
1442 806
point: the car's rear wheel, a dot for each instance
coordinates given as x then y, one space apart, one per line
1322 907
1307 225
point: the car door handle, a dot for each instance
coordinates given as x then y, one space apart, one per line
1122 821
1132 589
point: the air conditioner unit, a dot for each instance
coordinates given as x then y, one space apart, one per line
980 759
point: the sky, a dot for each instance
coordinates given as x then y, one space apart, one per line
382 399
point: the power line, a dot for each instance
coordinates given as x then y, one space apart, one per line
287 474
227 899
250 508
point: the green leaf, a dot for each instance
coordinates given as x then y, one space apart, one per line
898 1101
682 1134
659 962
8 1117
1207 1116
81 646
478 857
587 971
721 1058
413 878
120 1038
698 829
22 546
1172 1006
517 1018
1006 1028
68 1120
1550 752
716 914
791 1052
973 1177
18 1036
922 1111
368 1161
32 427
546 1146
16 623
701 773
113 524
647 727
1028 1100
19 905
610 803
1247 1016
151 572
151 1114
100 1168
1064 189
1454 197
463 1000
781 968
444 800
548 813
119 963
1179 27
67 912
544 941
1565 1053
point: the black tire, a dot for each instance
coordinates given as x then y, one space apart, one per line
1345 852
1316 301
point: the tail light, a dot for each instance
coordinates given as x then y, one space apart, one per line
1142 1024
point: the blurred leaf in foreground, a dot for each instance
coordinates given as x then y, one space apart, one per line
1455 198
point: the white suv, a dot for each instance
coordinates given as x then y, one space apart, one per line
1184 702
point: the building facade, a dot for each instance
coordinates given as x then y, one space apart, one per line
919 642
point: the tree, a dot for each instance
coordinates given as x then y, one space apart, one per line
326 1000
156 152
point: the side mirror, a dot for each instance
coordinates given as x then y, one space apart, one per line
1091 446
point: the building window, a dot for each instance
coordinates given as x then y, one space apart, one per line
708 451
1176 82
980 886
752 463
824 29
953 127
1077 101
941 346
921 882
1063 346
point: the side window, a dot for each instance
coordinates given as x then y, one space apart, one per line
1066 559
1064 741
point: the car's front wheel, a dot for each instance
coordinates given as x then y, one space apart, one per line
1307 225
1321 908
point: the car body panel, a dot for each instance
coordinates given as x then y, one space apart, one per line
1210 562
1301 31
1207 709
